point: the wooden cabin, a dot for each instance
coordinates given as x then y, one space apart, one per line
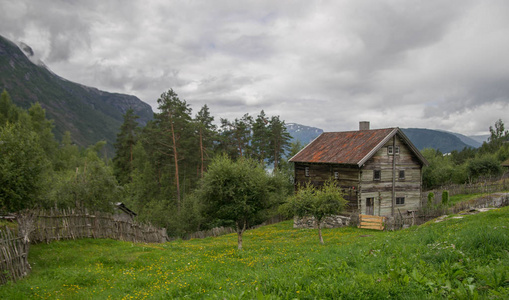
379 171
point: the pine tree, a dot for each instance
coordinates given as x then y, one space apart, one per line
175 124
261 137
206 134
124 145
279 140
235 136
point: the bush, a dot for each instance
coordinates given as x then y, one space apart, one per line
484 166
431 200
445 198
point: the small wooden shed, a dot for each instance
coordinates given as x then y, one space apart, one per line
123 213
379 171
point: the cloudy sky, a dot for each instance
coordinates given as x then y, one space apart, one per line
329 64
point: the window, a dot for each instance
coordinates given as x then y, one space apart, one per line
401 174
391 150
377 174
336 175
306 171
400 200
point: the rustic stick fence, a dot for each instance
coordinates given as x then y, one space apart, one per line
487 187
54 225
45 226
13 256
426 213
217 231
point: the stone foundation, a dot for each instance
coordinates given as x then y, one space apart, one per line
329 222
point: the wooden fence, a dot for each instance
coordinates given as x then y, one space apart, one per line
54 225
217 231
45 226
426 213
481 187
13 256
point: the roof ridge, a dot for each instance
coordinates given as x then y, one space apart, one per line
378 129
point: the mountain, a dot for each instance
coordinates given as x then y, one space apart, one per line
89 114
420 137
467 140
302 133
480 138
440 140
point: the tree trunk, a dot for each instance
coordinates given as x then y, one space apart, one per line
240 231
175 156
319 224
239 239
276 155
201 152
131 163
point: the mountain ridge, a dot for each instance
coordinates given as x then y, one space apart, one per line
88 113
422 138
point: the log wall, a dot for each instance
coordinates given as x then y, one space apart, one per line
348 179
382 190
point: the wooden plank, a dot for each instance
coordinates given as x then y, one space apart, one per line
371 222
376 227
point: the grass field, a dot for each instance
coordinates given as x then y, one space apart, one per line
457 258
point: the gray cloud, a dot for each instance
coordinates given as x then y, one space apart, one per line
327 64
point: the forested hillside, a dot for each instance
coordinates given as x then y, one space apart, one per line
469 164
156 169
439 140
90 115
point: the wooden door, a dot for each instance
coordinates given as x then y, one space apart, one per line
370 206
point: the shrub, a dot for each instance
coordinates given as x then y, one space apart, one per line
445 198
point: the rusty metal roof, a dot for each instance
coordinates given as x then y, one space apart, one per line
349 147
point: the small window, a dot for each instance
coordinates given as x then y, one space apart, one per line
400 200
306 171
391 150
401 174
377 174
336 175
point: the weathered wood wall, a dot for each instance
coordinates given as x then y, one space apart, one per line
382 190
348 179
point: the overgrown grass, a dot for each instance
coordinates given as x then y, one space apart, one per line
463 198
457 258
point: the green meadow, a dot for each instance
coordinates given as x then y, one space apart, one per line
463 258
